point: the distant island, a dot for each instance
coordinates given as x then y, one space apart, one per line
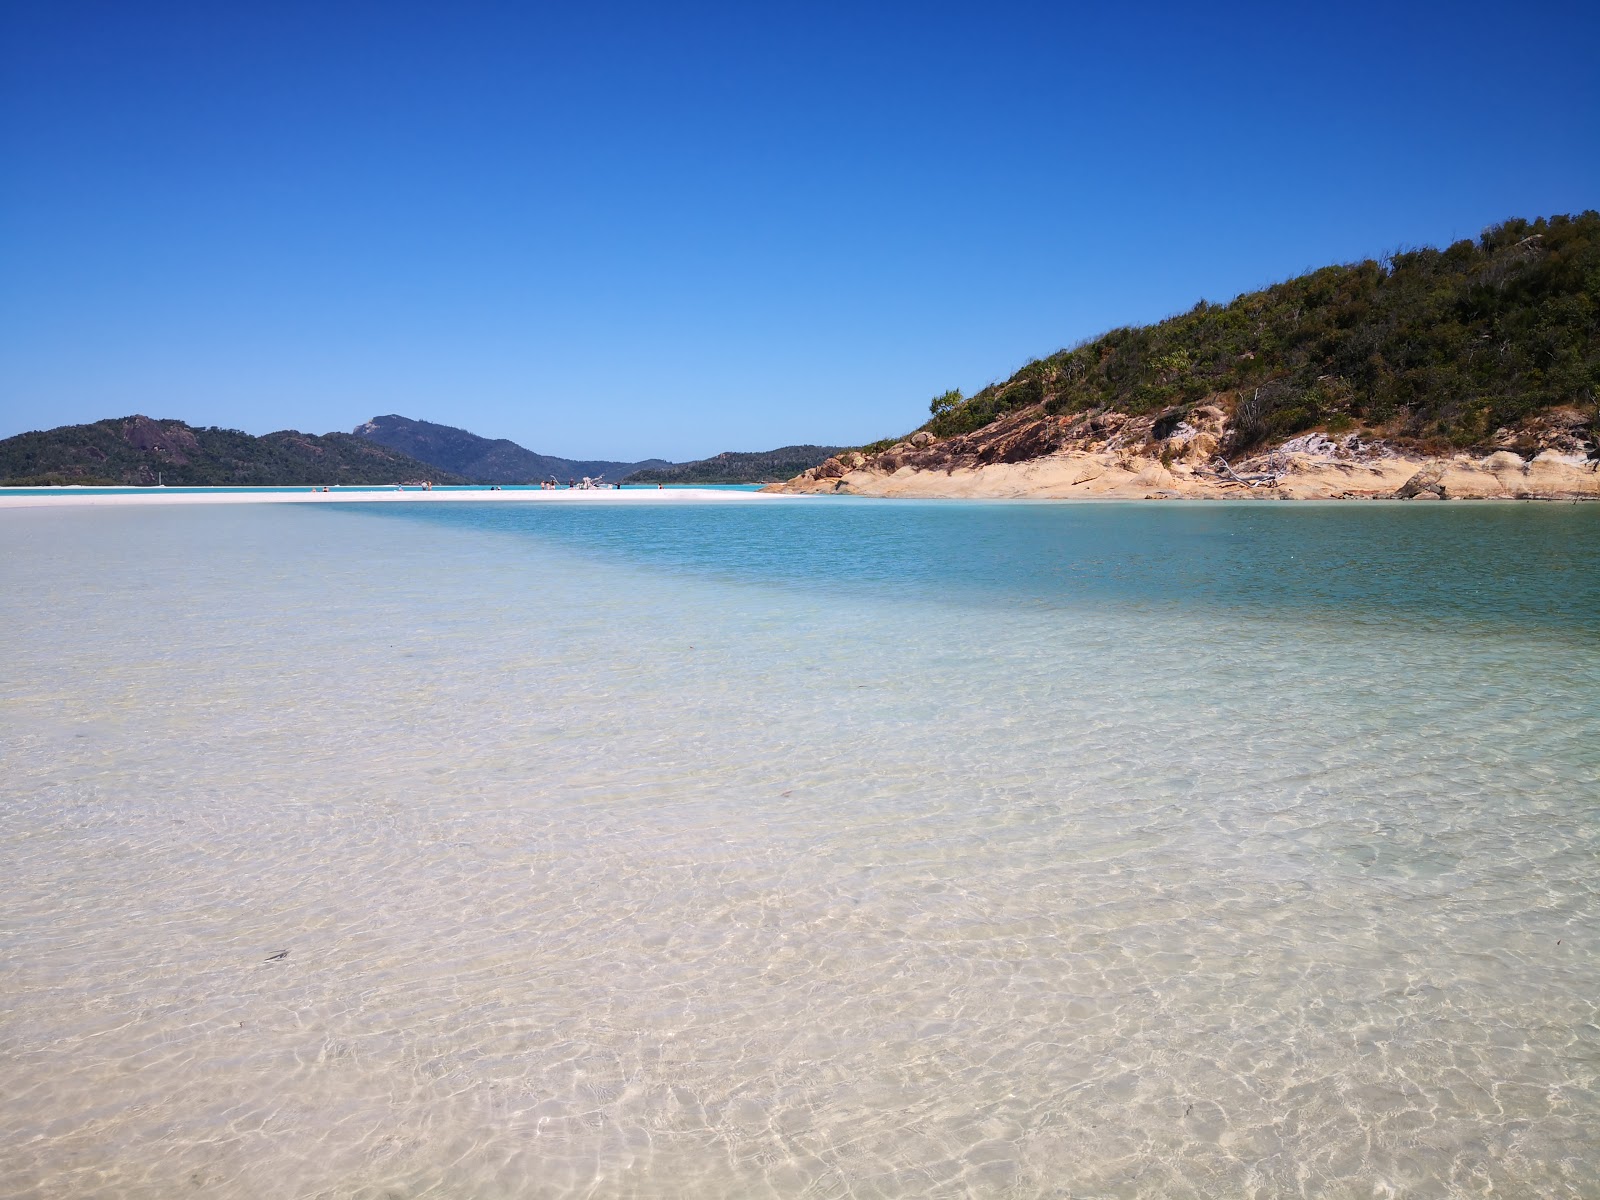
485 460
482 460
141 451
738 467
1468 371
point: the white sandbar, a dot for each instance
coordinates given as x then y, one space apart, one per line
70 497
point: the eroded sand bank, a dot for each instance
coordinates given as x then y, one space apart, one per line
1106 474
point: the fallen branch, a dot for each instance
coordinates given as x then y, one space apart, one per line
1262 479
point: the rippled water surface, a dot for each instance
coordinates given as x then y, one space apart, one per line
813 848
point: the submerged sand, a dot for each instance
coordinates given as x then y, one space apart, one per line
352 858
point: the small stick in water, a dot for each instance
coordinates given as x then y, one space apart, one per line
281 954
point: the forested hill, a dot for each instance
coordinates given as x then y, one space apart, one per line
1441 350
135 450
740 467
486 460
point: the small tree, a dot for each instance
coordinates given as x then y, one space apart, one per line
940 405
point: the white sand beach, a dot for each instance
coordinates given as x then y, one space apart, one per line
76 498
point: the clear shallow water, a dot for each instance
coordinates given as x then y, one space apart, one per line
812 849
343 487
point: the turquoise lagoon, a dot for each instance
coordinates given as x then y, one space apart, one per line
800 848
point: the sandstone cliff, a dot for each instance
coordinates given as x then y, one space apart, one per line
1108 454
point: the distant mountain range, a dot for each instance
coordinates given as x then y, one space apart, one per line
139 451
486 460
766 466
497 460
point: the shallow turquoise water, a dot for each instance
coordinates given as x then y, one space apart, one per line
1322 562
811 848
345 487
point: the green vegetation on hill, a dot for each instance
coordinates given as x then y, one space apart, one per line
1440 348
766 466
135 450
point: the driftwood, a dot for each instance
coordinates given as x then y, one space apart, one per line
1267 478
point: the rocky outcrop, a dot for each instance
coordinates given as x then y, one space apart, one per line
1563 431
170 441
1426 481
831 468
1177 454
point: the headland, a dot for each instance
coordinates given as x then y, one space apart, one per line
1119 459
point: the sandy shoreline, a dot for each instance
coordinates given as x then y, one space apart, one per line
1068 475
71 498
1106 475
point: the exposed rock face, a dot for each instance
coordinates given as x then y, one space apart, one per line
1427 480
1562 430
1349 448
1031 434
1175 453
171 442
830 469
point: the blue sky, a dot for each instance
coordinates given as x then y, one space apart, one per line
630 230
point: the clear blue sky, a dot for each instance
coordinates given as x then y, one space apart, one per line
625 230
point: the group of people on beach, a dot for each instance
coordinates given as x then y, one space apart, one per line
545 485
588 484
